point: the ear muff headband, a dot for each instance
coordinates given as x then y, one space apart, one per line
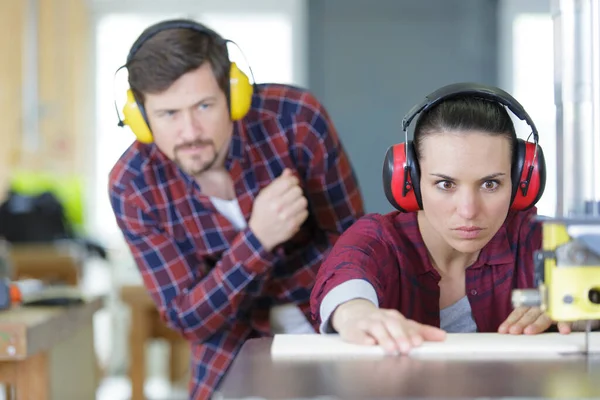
471 90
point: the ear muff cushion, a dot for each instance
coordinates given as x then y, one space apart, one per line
535 184
389 178
240 93
541 168
403 198
415 172
135 119
517 168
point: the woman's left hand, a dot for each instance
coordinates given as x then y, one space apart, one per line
530 321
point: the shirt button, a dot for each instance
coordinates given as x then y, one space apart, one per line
473 292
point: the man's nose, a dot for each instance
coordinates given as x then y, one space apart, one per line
190 126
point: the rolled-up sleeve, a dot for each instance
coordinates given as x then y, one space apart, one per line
349 290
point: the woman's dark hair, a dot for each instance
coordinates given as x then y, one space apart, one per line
169 54
465 114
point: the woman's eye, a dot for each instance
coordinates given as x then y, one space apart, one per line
491 185
445 185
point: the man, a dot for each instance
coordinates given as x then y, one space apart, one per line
230 198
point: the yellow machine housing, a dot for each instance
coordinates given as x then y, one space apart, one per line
570 285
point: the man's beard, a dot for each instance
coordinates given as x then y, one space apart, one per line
207 165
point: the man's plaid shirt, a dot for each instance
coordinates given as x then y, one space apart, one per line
210 282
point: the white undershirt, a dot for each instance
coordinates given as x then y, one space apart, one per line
230 210
284 318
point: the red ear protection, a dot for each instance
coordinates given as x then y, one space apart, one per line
528 175
401 172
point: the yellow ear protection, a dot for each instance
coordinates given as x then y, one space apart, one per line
240 89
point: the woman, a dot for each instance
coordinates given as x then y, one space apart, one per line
465 240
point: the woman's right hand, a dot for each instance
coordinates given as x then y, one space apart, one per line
360 321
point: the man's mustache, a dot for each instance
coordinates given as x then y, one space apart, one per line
198 142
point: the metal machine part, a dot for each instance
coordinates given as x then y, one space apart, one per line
576 253
567 268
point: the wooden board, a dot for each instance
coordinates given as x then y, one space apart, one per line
458 345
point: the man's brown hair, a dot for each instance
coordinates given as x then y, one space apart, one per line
173 52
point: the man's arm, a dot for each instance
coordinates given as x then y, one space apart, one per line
332 190
195 304
332 193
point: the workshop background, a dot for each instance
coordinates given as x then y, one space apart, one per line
368 61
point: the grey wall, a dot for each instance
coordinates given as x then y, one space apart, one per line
371 60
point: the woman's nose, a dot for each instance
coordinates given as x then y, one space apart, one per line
468 204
